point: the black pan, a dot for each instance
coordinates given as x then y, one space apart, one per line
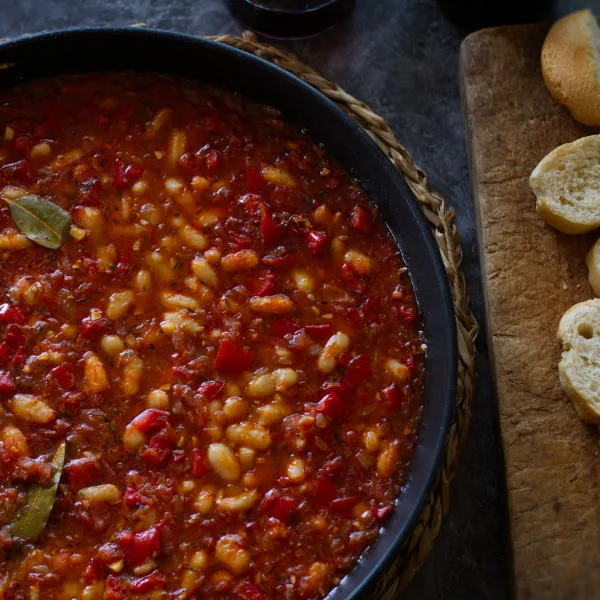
100 49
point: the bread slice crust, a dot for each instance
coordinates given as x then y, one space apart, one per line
571 65
579 366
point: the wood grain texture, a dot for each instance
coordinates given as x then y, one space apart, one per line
533 275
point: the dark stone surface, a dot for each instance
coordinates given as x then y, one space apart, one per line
401 58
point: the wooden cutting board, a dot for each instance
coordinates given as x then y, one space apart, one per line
533 274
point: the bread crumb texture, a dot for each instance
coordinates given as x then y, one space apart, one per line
567 186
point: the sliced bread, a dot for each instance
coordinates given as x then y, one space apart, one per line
571 65
592 260
579 367
567 186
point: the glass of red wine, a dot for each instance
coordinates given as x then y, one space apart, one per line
290 18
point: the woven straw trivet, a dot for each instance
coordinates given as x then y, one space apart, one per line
441 220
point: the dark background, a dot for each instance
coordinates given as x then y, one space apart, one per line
401 58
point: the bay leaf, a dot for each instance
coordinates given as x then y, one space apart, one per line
32 519
42 221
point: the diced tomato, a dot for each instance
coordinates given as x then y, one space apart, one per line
5 353
354 318
341 389
7 383
19 357
279 506
232 358
114 588
324 492
331 406
250 591
12 314
208 160
198 463
263 285
14 336
240 241
391 395
370 310
280 259
159 448
154 581
22 143
81 472
254 179
358 370
133 498
351 279
344 359
140 546
94 329
210 390
150 420
319 332
283 326
126 174
343 506
317 241
93 571
361 220
19 171
406 314
65 375
268 227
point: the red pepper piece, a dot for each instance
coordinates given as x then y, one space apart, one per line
358 371
383 512
254 179
283 326
370 310
65 375
114 588
81 472
153 581
93 571
94 329
360 219
268 227
210 390
279 506
343 506
331 406
140 546
19 170
18 359
150 420
7 383
198 462
232 358
354 318
344 359
280 259
250 591
5 353
319 332
126 174
133 498
325 492
14 336
391 396
317 242
12 314
264 284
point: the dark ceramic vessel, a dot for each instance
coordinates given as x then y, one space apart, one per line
132 49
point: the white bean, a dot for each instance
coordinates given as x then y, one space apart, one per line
30 408
337 344
223 462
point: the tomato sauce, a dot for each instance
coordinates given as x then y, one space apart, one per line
227 343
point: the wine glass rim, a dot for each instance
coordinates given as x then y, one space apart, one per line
258 4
